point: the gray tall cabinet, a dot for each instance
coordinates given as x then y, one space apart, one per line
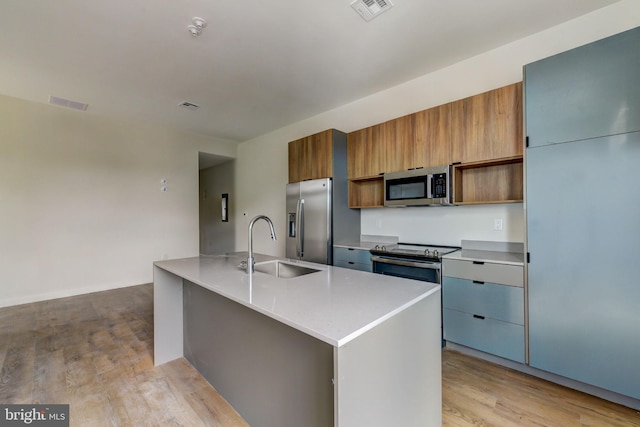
583 213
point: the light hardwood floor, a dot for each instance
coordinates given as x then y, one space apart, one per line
95 352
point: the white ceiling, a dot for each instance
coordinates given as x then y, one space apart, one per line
258 65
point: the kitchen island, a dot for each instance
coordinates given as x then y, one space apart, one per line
334 347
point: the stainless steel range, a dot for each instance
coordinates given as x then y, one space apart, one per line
409 260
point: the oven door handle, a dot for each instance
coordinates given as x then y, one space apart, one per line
418 264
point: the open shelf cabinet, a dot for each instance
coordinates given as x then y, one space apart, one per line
366 192
494 181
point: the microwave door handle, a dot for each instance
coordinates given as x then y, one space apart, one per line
430 186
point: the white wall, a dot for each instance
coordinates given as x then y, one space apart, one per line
262 170
80 203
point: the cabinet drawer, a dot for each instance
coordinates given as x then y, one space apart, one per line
487 299
485 271
353 265
492 336
361 256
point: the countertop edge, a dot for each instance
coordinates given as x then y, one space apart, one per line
327 339
388 316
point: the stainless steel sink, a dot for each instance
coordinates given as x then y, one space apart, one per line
283 269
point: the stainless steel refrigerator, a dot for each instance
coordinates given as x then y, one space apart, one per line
309 221
583 213
318 216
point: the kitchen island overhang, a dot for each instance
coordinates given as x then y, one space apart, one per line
369 342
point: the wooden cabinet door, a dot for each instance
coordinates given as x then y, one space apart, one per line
433 137
395 137
295 160
319 155
363 154
487 126
311 157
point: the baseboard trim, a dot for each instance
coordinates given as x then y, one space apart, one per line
64 293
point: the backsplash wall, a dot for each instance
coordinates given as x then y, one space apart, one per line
446 225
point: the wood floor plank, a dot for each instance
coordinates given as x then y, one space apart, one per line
522 399
16 376
95 352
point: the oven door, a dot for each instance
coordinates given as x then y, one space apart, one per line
426 271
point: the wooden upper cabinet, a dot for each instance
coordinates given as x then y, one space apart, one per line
487 126
432 136
295 159
363 154
397 144
311 157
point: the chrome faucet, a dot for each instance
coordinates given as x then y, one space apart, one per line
250 260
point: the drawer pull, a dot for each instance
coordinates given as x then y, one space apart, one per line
477 316
351 262
350 249
478 262
478 282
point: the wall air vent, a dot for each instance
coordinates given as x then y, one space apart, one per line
369 9
189 105
61 102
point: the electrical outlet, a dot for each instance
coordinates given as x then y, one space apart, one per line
498 224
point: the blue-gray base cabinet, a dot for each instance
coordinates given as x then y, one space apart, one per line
353 258
483 307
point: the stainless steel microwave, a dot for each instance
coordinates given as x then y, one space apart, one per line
418 187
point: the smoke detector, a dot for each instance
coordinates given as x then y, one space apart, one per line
369 9
196 27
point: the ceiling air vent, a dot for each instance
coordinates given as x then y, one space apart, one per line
61 102
369 9
189 105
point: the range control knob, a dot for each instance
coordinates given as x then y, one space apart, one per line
435 253
426 252
383 248
376 247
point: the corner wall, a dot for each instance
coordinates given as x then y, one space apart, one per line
262 161
80 200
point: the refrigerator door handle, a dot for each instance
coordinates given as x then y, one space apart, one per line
300 242
298 229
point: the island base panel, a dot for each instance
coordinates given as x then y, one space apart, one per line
167 316
272 374
391 375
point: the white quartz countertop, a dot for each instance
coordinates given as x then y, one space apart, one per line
334 305
359 245
367 242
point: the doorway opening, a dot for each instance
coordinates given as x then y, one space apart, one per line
216 202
